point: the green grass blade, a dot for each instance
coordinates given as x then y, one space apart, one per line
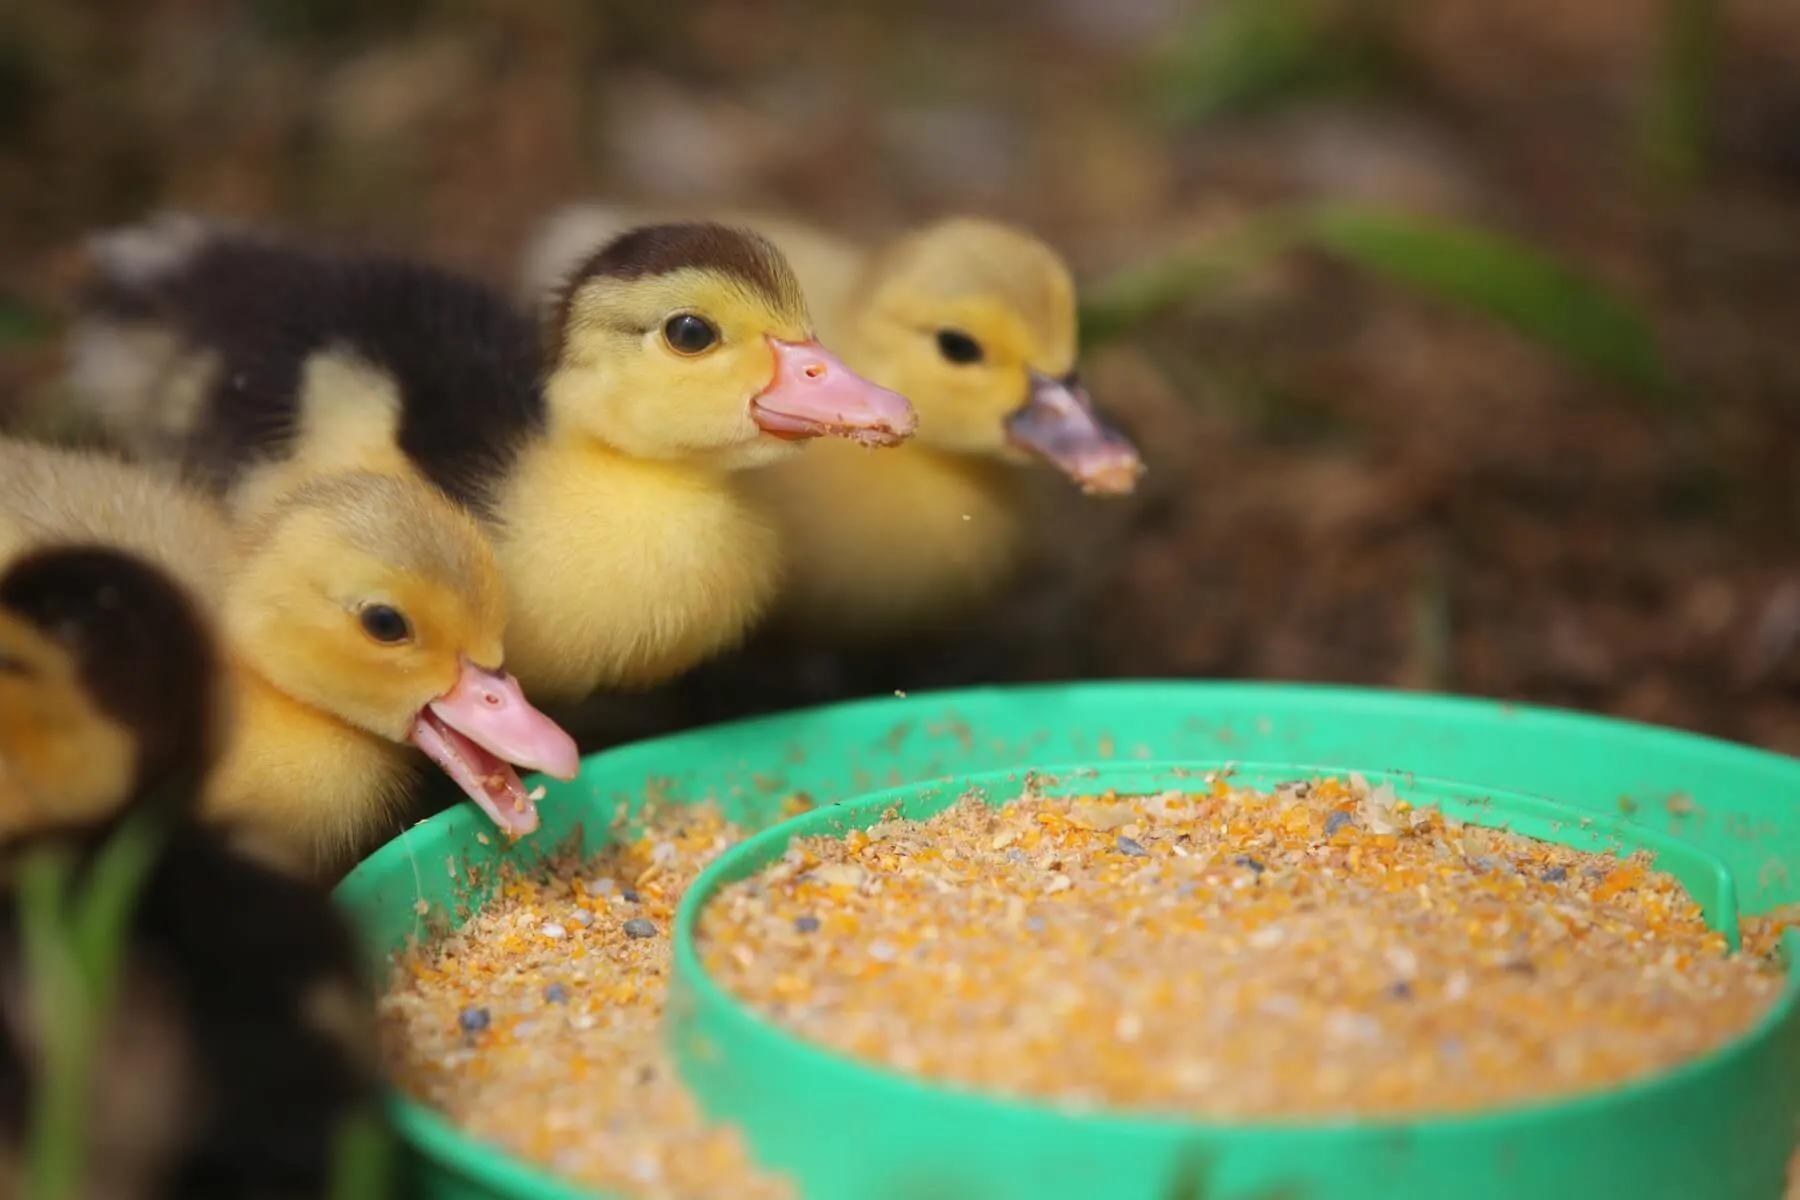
101 921
57 1145
364 1163
1538 297
74 948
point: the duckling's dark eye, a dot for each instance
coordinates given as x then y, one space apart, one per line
688 334
958 347
12 666
385 624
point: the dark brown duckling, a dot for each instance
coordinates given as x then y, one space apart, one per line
242 1039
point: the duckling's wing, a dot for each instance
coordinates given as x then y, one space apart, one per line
175 311
207 335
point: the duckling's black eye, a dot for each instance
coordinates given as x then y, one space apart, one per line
958 347
688 334
12 666
385 624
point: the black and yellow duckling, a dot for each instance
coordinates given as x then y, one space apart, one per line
240 1044
605 462
364 619
975 322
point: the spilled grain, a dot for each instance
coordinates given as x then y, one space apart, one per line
536 1026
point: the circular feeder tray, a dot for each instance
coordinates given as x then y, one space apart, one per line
1735 803
1722 1126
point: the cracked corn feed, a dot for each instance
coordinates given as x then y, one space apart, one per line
537 1025
1321 949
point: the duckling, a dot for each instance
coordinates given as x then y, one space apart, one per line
241 1040
138 733
975 323
603 463
364 621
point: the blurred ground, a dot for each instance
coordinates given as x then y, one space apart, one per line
1347 483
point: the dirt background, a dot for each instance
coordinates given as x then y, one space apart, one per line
1348 482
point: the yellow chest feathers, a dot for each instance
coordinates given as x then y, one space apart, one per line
323 792
883 542
624 573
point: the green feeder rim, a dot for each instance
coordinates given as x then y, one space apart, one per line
1737 803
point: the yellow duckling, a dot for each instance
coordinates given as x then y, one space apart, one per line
604 462
363 616
975 323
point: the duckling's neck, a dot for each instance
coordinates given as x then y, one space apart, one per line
881 543
321 789
622 571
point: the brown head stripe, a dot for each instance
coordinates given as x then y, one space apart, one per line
140 647
651 250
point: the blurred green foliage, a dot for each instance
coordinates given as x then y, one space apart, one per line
1523 288
75 924
1674 122
1137 295
74 936
1237 57
1537 296
365 1166
22 324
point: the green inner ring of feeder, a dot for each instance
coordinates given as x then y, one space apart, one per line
1703 876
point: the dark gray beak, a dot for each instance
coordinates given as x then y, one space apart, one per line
1058 424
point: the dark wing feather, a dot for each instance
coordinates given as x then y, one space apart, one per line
466 361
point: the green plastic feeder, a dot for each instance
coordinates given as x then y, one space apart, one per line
1721 1128
1738 805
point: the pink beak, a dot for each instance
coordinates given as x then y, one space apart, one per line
483 725
813 393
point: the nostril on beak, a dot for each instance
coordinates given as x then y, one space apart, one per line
490 699
815 370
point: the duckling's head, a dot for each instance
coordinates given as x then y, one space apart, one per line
377 600
975 322
693 341
109 688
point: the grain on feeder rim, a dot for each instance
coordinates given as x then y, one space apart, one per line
1762 934
1370 939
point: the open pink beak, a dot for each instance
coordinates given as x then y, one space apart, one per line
483 725
813 393
1059 425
